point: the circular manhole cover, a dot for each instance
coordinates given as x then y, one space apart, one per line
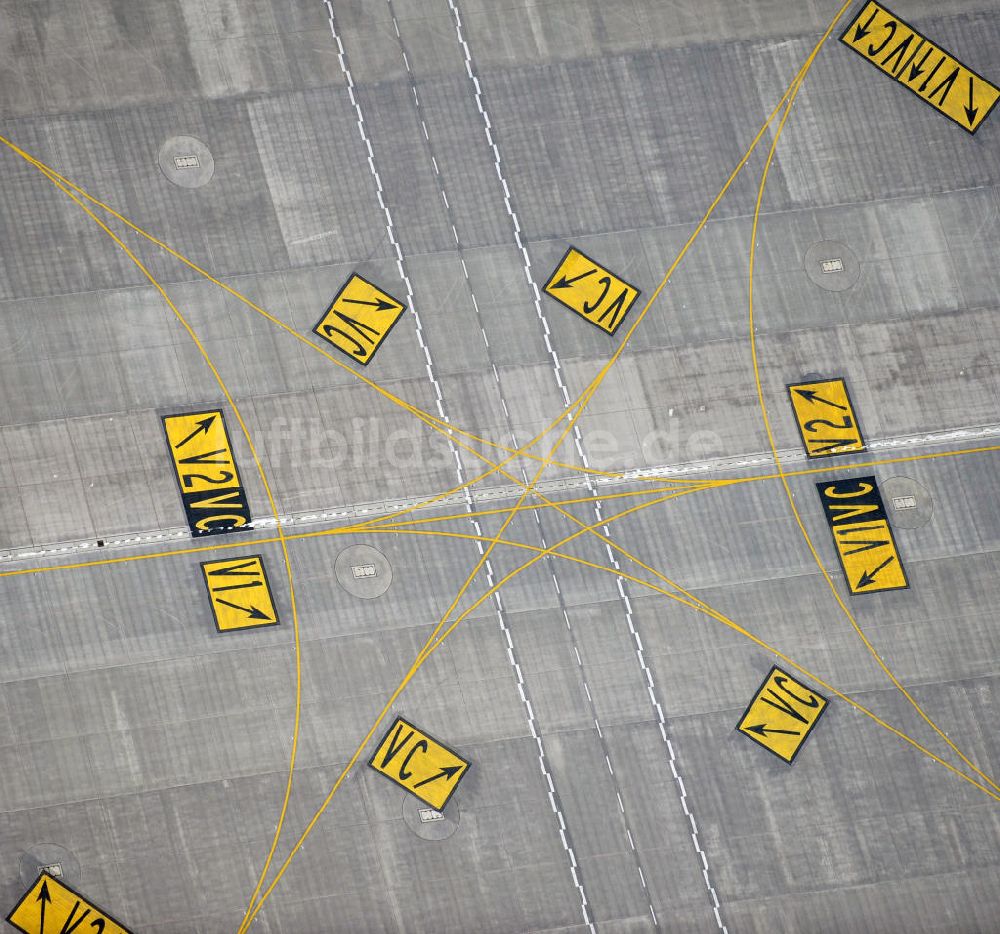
186 161
832 265
363 571
908 503
54 859
427 823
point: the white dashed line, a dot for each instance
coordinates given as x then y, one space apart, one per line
664 471
557 370
526 259
488 566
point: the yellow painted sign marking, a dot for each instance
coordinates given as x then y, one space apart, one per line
591 290
211 489
419 763
782 714
933 74
359 319
52 907
240 593
861 532
826 418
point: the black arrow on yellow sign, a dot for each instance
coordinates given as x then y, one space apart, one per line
203 426
970 111
762 730
448 771
868 578
378 305
861 31
251 611
44 898
565 283
810 395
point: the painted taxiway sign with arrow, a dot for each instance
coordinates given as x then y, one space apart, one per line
52 907
416 761
240 593
590 290
209 480
359 319
933 74
862 535
826 418
782 714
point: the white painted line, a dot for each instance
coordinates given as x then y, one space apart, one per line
560 382
501 618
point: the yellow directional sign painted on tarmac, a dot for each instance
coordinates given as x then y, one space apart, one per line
590 290
826 418
419 763
861 532
240 593
52 907
203 456
933 74
213 495
782 714
359 319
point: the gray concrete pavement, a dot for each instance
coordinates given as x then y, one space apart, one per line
609 790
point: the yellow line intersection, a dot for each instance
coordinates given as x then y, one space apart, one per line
777 461
655 491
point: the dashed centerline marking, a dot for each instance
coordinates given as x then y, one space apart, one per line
488 564
577 436
609 762
664 471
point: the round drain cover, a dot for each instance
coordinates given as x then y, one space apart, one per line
427 823
363 571
832 265
54 859
908 503
186 162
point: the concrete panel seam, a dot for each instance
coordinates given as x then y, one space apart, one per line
578 443
469 502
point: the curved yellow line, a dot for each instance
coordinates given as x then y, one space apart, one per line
267 489
734 481
446 428
577 409
784 480
699 606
